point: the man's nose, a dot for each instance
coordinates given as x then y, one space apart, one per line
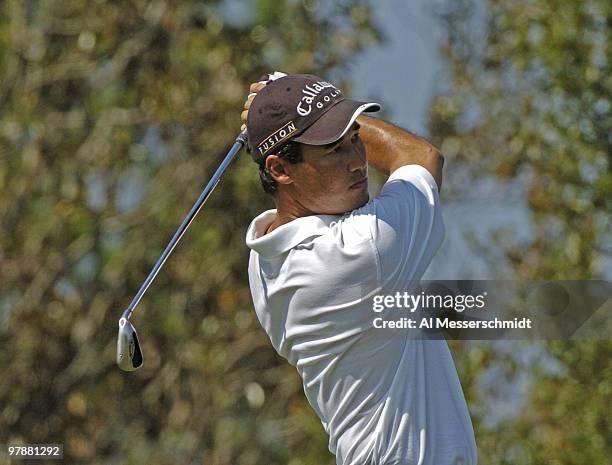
358 160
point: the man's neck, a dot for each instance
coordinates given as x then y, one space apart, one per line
281 218
287 210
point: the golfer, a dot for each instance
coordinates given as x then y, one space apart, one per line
384 397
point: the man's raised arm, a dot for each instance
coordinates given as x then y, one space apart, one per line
389 147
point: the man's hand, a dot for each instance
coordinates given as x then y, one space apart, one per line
253 89
256 87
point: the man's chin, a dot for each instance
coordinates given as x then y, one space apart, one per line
361 202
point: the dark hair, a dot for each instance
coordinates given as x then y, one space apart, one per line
292 152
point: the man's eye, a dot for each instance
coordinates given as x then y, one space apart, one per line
355 137
337 149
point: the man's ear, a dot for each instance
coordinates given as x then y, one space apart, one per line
276 167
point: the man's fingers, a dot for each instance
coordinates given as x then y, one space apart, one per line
248 102
256 87
253 89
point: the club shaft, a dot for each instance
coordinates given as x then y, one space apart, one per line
240 142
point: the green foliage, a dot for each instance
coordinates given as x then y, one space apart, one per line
538 78
113 117
529 99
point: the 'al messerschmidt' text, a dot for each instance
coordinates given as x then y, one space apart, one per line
449 323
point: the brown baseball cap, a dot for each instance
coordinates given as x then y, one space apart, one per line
302 108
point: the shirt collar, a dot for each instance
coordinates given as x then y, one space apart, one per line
286 236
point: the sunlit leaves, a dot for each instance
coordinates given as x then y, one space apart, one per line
538 74
114 116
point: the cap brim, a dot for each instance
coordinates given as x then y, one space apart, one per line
335 122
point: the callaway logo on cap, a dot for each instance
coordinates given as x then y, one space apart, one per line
302 108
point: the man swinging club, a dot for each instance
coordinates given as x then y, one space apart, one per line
383 396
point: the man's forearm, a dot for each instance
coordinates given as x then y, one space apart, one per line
389 147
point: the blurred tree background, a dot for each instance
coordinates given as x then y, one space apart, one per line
529 99
113 117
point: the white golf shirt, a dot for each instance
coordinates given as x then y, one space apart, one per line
384 396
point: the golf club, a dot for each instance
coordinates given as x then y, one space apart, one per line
129 353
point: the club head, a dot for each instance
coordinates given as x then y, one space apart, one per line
129 355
